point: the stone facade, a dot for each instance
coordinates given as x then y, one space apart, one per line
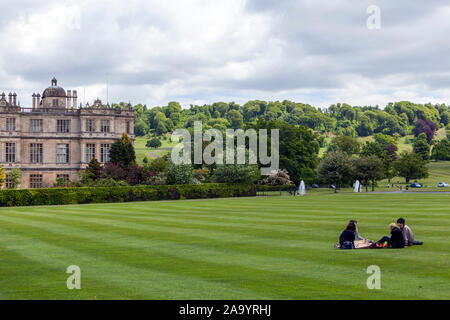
55 138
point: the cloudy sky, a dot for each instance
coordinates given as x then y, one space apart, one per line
201 51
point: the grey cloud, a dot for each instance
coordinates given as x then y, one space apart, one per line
319 45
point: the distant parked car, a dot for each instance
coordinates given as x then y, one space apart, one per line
443 184
415 185
315 186
332 186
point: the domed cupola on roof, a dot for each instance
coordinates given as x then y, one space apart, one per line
54 96
54 91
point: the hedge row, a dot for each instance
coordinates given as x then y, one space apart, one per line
59 196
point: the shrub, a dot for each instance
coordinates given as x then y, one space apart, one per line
135 175
179 174
122 152
93 169
15 177
61 196
235 173
114 171
153 143
2 177
200 174
278 178
108 182
154 178
157 165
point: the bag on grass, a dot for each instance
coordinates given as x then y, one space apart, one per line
347 245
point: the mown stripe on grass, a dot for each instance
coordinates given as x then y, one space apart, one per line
131 277
280 264
244 277
181 247
304 234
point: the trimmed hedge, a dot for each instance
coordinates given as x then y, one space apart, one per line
59 196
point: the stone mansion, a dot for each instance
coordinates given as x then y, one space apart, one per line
55 138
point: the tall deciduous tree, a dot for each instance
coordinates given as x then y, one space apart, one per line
368 169
235 119
386 154
441 150
383 139
425 126
410 166
335 167
298 148
346 144
391 151
372 149
421 146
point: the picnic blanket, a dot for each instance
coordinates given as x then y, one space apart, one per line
364 244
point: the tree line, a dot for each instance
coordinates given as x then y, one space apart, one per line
346 160
396 119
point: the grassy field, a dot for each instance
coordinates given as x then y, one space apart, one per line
438 172
142 151
253 248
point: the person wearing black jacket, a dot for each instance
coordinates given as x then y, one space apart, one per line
396 241
347 238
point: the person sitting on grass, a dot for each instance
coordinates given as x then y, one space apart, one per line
396 240
357 236
347 238
408 235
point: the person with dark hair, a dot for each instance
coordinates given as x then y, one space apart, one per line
408 235
396 240
357 236
347 238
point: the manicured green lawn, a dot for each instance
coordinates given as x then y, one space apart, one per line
253 248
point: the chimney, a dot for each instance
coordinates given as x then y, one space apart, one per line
69 98
15 99
10 98
74 96
34 100
38 100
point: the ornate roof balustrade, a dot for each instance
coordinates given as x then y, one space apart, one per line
67 111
